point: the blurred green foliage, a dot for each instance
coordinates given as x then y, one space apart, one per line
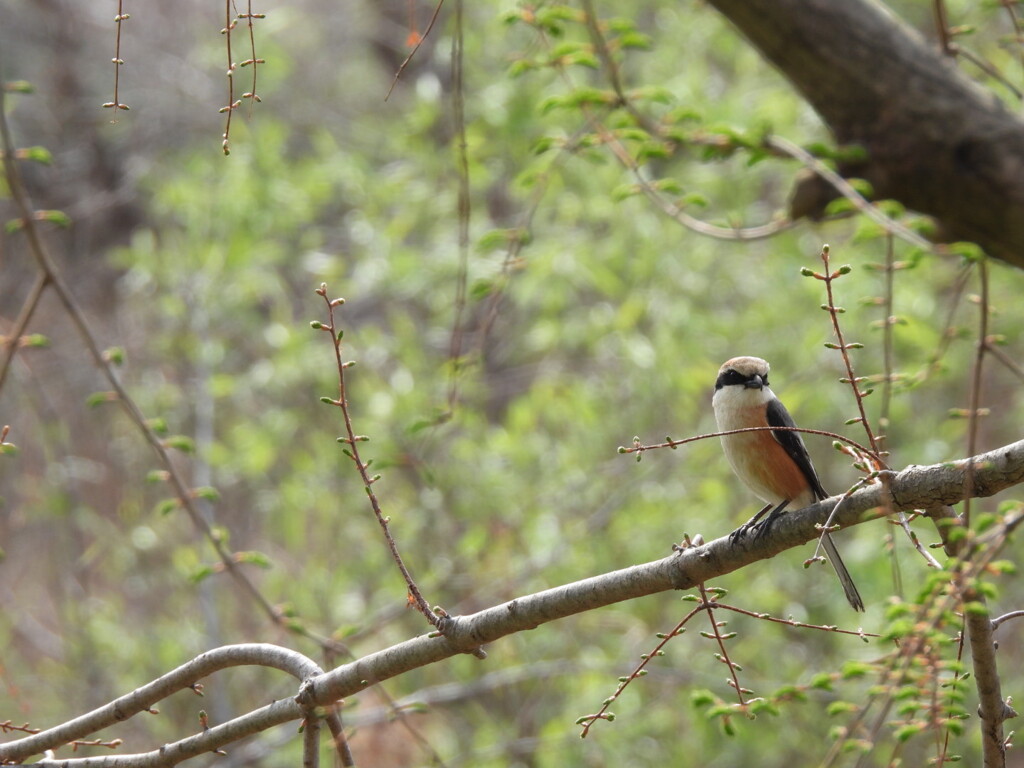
591 317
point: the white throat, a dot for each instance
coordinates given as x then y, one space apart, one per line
733 404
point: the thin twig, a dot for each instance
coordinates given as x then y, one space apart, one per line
462 165
1018 30
229 25
1011 365
639 448
942 27
351 442
249 16
28 308
974 396
426 33
834 311
587 721
888 323
844 188
948 331
734 680
119 19
988 68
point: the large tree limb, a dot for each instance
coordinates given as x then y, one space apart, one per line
936 141
913 488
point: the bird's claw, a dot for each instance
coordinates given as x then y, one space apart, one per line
758 526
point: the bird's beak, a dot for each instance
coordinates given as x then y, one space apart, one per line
754 382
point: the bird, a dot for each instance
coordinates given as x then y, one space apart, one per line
773 464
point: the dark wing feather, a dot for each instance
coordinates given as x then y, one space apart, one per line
778 416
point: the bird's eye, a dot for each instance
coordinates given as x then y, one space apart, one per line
730 377
764 380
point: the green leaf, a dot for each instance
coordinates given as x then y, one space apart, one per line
207 493
98 398
180 443
158 425
59 218
702 698
252 557
854 669
37 155
166 506
200 573
840 708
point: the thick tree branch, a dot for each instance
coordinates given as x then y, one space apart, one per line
936 141
913 488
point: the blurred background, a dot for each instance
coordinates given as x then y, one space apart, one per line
590 317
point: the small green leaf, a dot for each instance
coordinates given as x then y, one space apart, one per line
253 557
852 669
180 443
98 398
36 155
702 698
158 425
207 493
822 681
59 218
166 506
840 708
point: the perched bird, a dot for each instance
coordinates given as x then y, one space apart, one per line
774 464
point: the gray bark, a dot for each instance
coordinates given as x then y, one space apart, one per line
936 141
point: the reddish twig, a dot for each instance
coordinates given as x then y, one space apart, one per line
426 33
13 340
709 604
249 16
587 721
351 441
851 378
733 680
638 448
229 25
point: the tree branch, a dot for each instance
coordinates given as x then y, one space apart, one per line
936 141
186 676
914 488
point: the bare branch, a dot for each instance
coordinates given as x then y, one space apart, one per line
913 488
186 676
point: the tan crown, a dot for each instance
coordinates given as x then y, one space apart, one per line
746 366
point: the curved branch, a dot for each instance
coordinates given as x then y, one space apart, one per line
186 676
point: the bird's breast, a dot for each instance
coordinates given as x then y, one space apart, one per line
760 461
